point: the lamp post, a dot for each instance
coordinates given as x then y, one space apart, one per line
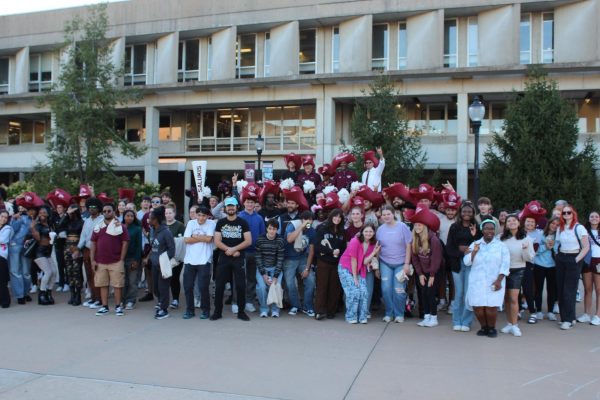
259 144
476 114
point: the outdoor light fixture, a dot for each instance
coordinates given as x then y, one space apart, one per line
259 145
476 114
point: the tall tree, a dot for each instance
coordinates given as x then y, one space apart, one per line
377 121
537 156
83 103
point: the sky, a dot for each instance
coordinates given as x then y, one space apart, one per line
8 7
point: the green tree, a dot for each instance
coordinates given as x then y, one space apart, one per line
537 156
83 103
379 120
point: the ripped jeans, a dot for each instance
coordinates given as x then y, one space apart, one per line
393 292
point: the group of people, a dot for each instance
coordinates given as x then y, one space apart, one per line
325 239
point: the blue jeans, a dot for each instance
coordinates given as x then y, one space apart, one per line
262 290
20 271
356 296
461 316
393 292
291 267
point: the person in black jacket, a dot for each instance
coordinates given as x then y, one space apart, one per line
71 224
161 240
330 243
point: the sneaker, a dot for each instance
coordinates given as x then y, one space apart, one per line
433 321
188 315
353 321
363 321
566 326
456 328
551 316
275 314
250 307
309 313
425 320
196 303
532 319
147 297
102 311
264 314
59 288
399 320
174 304
595 320
130 305
449 311
119 311
161 314
507 328
88 294
516 331
584 318
215 317
234 308
88 302
293 311
243 316
555 309
524 305
369 316
465 328
94 305
578 297
492 333
539 316
443 305
483 331
33 289
204 315
157 306
520 314
66 288
387 319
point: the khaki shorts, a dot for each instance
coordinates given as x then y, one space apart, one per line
113 274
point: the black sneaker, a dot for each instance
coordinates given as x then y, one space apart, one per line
102 311
21 300
483 331
204 315
492 333
188 315
215 317
147 297
162 314
28 298
119 311
243 316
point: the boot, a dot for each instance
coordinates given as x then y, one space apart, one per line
43 298
49 296
76 297
72 299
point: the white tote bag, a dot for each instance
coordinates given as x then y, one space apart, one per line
275 295
165 265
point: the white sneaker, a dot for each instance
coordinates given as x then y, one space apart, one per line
387 319
174 304
465 328
516 331
399 320
578 297
566 326
87 303
584 318
95 305
250 307
425 320
456 328
59 289
66 288
264 314
293 311
539 316
507 328
129 306
449 311
551 316
234 308
555 309
274 314
432 322
595 320
353 321
196 303
33 289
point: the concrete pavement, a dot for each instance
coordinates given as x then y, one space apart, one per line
68 353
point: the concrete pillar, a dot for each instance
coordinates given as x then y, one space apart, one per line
187 183
322 46
285 46
393 31
326 130
223 54
167 48
22 71
117 55
425 36
498 32
260 54
203 59
462 146
356 42
150 62
12 71
576 32
151 156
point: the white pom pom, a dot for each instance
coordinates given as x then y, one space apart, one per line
355 186
309 186
287 184
206 192
329 189
241 184
344 196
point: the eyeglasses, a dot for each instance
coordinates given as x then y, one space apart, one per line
567 212
92 206
155 201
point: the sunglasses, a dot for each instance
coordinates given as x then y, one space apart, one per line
155 201
567 212
93 207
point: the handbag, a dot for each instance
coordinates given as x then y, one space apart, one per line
275 295
30 248
166 269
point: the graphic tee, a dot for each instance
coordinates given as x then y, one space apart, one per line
232 232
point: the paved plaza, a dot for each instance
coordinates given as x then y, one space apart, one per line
64 352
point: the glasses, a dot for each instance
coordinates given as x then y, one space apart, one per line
155 201
567 212
93 207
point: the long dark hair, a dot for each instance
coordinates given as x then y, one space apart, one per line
459 220
520 231
7 215
135 220
76 215
330 226
361 237
547 227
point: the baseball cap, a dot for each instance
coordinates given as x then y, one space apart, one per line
231 201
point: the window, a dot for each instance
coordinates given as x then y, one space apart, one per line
335 50
450 43
3 75
246 56
40 72
402 46
135 65
188 62
380 48
267 66
547 38
167 131
525 39
22 131
472 42
308 51
133 127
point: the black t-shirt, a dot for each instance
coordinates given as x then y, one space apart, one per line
268 214
232 232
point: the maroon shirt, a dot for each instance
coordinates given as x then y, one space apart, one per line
108 247
351 232
343 179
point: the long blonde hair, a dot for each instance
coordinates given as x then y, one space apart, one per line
420 242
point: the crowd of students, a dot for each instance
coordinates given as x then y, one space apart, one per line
329 241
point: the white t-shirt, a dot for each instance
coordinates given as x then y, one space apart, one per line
594 246
199 253
567 239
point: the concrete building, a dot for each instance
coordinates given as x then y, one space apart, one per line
215 74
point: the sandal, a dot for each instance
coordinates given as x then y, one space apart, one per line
532 319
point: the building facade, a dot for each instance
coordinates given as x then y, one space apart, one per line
216 74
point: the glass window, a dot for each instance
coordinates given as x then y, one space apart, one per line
246 56
40 72
308 132
3 75
224 120
3 132
240 129
256 121
437 119
39 131
335 50
267 60
166 131
525 39
450 43
136 124
308 51
188 62
380 47
472 41
192 126
209 59
547 38
402 46
291 127
120 126
273 128
135 65
208 124
14 133
26 132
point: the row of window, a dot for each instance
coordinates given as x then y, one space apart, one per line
22 131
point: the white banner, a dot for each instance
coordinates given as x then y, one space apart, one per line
199 171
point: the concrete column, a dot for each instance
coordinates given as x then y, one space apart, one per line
12 71
325 129
498 31
393 45
117 56
166 58
22 71
223 54
260 55
203 59
425 36
462 146
151 156
187 183
356 42
576 32
285 46
150 62
322 46
462 30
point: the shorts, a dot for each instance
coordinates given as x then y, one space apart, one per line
515 278
113 274
594 266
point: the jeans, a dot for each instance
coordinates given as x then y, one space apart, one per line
461 316
197 275
540 275
20 271
262 290
567 279
356 296
47 265
131 280
392 291
291 267
228 266
162 287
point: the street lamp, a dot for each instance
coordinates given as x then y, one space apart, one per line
476 114
259 144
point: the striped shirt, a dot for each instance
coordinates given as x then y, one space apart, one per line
269 253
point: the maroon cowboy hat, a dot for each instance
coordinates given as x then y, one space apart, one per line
534 210
59 196
296 194
374 197
30 200
326 170
85 192
424 216
451 200
250 191
358 201
103 197
423 191
128 194
308 159
340 158
399 189
370 155
296 158
268 187
330 202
